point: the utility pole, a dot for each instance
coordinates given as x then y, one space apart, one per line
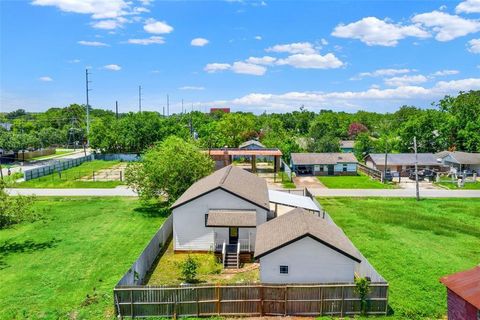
168 105
88 105
139 98
416 168
116 109
385 167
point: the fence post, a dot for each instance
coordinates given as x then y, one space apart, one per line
131 304
198 304
286 300
93 177
261 301
121 175
217 288
343 299
321 301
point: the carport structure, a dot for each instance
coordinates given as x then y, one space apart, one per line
292 200
224 156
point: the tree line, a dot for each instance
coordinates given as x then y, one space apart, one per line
453 123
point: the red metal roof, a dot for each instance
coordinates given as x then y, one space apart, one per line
466 284
244 152
226 110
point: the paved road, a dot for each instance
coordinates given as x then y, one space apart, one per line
401 193
92 192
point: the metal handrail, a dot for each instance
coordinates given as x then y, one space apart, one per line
238 254
224 252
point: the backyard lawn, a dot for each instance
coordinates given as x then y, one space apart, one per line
79 177
167 271
412 244
65 265
353 182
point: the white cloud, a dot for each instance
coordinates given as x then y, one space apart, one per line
45 79
474 45
381 73
248 68
324 42
109 24
293 48
265 60
447 27
112 67
92 43
147 41
191 88
405 80
199 42
442 73
373 97
373 31
215 67
258 37
468 6
157 27
112 13
312 61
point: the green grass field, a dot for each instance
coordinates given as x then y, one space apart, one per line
353 182
58 153
65 265
70 178
412 244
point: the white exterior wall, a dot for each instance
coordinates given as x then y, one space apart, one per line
308 261
351 167
189 230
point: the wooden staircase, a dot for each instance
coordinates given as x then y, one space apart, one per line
230 260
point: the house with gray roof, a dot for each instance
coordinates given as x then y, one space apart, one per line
460 161
251 144
402 163
347 145
324 164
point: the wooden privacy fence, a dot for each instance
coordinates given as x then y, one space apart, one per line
248 300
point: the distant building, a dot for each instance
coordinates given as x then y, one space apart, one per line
463 294
6 126
403 163
324 164
347 145
460 161
251 144
224 110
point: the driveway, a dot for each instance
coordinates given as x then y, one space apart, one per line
308 182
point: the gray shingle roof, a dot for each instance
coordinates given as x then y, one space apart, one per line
322 158
232 218
250 142
461 157
234 180
297 224
407 159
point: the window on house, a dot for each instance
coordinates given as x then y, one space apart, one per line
283 269
344 168
206 218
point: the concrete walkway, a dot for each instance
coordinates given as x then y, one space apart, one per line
320 192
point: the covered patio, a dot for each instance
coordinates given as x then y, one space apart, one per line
224 156
289 200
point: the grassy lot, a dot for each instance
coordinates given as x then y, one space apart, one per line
65 265
70 178
412 244
353 182
467 186
286 183
167 271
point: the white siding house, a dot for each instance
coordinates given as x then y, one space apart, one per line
307 261
201 215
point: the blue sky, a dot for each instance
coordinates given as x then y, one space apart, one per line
254 56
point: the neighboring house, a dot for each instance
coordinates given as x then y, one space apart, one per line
402 163
224 207
463 294
251 145
347 145
5 125
460 161
324 164
299 247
